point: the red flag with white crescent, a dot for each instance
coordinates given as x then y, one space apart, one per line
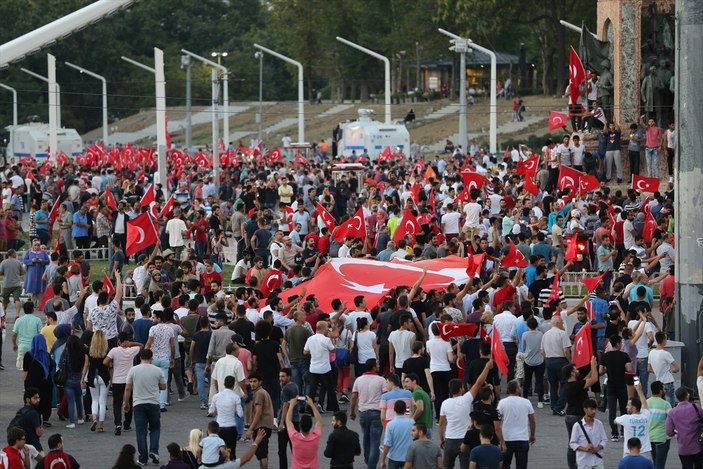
557 120
449 330
271 281
583 346
275 156
528 167
109 287
408 225
472 180
168 207
650 226
588 184
110 198
326 217
568 177
149 197
140 234
355 227
645 184
514 258
530 186
475 265
554 294
577 74
571 248
498 352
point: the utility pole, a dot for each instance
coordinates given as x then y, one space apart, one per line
185 62
460 46
687 184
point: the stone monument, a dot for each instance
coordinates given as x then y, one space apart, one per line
620 23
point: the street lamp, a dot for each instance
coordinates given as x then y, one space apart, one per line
219 56
104 82
14 114
301 88
260 116
58 90
160 82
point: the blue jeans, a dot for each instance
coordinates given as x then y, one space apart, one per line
669 391
395 464
557 383
147 416
200 377
72 389
652 155
643 373
301 376
659 453
200 248
371 431
163 363
518 448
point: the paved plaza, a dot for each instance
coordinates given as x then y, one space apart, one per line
99 451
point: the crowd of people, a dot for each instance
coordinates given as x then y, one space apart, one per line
261 362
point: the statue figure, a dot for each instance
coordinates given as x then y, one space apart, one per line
647 90
605 89
667 37
662 95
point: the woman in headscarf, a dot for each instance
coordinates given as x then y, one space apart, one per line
62 333
36 373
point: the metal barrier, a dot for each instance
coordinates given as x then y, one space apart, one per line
98 254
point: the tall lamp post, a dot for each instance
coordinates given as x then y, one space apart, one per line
225 94
160 83
301 89
54 100
14 114
260 115
494 72
104 83
185 62
387 80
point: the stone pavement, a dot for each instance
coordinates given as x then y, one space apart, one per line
99 451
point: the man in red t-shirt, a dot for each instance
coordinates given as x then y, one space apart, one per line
506 291
201 227
208 276
16 451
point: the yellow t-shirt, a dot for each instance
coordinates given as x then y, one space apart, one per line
48 333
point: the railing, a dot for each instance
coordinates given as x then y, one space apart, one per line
89 253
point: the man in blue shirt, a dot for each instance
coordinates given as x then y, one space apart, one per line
600 317
542 248
80 227
398 437
41 222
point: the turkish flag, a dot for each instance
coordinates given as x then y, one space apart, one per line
463 196
345 278
514 258
499 356
530 186
327 219
571 249
568 177
432 203
448 330
472 180
275 156
110 198
386 154
140 234
583 346
592 282
419 166
202 159
650 225
54 213
61 158
300 159
355 227
528 167
645 184
148 198
554 294
272 281
409 225
168 208
57 245
475 263
557 120
46 296
589 311
588 184
109 287
577 74
45 168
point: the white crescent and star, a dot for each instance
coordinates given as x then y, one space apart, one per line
639 183
353 221
142 235
567 179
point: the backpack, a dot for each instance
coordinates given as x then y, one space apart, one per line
19 417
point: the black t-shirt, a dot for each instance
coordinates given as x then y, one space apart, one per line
632 309
537 286
486 414
614 362
202 341
472 438
474 370
266 353
576 394
612 328
276 335
244 328
418 365
31 420
263 238
470 349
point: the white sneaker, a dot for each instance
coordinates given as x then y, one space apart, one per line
275 423
540 405
71 425
80 422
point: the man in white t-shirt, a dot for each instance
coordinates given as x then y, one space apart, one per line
450 223
663 365
628 230
318 348
400 342
642 344
517 425
122 359
636 423
454 418
472 210
577 150
177 231
564 152
359 312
